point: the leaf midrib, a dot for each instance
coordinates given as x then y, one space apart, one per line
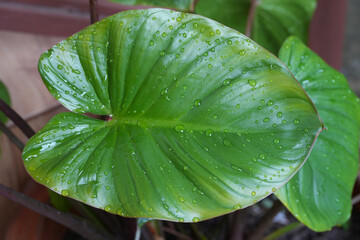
171 124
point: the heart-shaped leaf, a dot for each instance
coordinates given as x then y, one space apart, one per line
204 120
319 195
273 20
184 5
4 95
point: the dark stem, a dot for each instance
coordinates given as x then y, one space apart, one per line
94 11
355 200
74 223
250 19
284 230
266 220
176 233
238 225
11 136
17 120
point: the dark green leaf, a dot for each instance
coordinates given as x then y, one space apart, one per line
319 195
175 4
4 95
59 202
274 20
204 120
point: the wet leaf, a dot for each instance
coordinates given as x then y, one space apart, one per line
319 195
273 22
204 120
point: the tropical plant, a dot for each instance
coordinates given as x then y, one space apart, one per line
197 120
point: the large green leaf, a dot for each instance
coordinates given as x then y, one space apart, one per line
204 120
319 195
274 20
176 4
4 95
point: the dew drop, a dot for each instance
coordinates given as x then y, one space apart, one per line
227 143
209 133
181 199
181 220
253 193
179 128
296 121
252 82
276 141
65 193
178 19
197 102
262 156
226 82
195 219
151 43
215 116
76 71
237 207
242 52
108 208
270 103
279 114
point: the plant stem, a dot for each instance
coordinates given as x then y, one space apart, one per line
138 233
17 120
250 19
284 230
267 220
192 6
176 233
94 11
11 136
74 223
87 213
197 233
238 225
355 199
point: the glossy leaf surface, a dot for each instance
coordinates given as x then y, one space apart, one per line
4 95
204 120
274 20
175 4
319 195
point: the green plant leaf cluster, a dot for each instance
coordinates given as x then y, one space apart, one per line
183 5
203 121
319 195
273 22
